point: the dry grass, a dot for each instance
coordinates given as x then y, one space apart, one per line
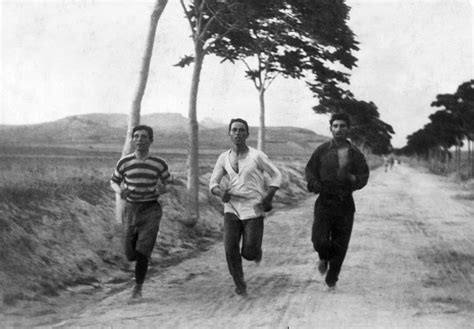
466 188
57 227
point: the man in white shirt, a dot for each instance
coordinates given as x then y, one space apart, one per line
245 198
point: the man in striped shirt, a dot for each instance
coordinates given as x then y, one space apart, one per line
136 179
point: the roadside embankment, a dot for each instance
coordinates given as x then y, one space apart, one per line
58 231
58 234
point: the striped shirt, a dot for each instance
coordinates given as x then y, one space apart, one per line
141 176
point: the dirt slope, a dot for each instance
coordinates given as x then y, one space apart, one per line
409 265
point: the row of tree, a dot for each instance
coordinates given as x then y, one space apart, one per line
449 128
299 39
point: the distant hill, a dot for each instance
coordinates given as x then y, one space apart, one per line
102 131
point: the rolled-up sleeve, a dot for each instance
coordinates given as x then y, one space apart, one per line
217 173
117 176
271 169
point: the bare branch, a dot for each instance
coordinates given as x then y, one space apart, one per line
246 64
270 81
199 17
265 70
216 17
187 16
250 69
222 35
206 27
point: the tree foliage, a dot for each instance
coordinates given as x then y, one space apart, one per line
449 126
461 106
295 39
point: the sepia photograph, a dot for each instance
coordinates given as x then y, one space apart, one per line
212 164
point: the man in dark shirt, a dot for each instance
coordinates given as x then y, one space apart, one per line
334 171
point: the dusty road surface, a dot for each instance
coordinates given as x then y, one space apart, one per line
409 265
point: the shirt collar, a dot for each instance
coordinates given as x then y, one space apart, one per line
333 144
144 159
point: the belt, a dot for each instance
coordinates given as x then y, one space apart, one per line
143 202
335 197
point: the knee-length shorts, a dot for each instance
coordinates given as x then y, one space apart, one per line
141 223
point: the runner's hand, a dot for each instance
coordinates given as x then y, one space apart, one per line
315 187
267 204
125 192
226 196
161 189
261 207
342 174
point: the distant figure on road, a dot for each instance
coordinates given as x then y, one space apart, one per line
136 179
245 199
389 161
334 171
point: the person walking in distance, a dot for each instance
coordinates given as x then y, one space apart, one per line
336 169
245 198
136 179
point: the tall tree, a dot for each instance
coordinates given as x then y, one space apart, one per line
210 21
134 115
420 143
437 137
461 106
447 130
294 39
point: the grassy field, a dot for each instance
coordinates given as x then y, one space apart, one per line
57 226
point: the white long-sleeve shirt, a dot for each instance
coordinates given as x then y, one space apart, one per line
247 187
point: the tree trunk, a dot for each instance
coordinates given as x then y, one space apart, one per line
192 206
458 159
469 173
134 116
470 165
261 129
472 158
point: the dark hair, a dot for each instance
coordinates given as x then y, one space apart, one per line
340 116
241 121
148 129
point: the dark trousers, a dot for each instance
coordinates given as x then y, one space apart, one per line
141 222
251 233
332 228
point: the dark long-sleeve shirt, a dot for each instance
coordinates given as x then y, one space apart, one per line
322 167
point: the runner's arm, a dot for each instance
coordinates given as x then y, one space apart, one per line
116 184
216 177
272 170
312 173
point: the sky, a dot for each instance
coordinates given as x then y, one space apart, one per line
70 57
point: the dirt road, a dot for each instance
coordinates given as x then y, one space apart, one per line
409 265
